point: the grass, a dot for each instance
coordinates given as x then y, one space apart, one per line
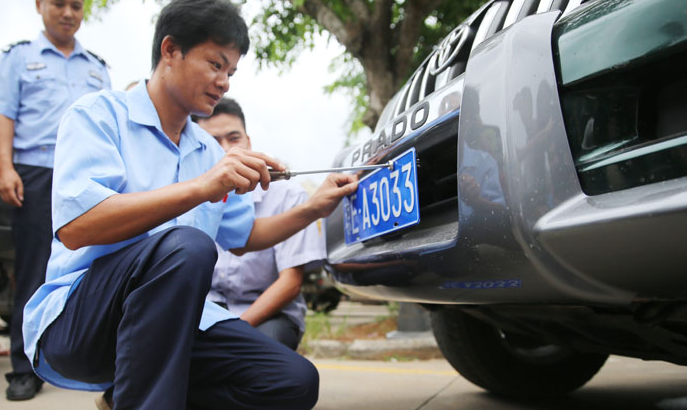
318 326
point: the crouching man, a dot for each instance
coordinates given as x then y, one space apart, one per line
140 194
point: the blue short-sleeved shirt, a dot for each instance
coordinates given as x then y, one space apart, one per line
38 85
112 143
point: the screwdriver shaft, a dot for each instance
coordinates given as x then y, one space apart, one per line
389 165
279 175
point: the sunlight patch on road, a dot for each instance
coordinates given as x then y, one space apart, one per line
366 369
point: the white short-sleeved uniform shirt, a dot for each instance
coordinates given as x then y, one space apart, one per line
239 280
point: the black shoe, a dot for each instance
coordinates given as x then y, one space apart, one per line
104 402
23 386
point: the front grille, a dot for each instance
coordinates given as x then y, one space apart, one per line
437 176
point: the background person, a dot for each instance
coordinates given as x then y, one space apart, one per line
39 80
140 196
264 287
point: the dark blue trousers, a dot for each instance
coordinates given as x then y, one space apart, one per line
32 236
282 329
134 319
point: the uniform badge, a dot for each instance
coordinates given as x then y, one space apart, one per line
95 75
35 66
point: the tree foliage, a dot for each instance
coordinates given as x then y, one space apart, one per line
92 8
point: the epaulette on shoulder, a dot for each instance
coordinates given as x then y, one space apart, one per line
11 46
97 57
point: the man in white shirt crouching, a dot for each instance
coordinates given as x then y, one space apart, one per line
263 287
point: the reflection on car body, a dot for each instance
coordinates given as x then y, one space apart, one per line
551 139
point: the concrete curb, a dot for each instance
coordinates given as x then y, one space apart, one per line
418 346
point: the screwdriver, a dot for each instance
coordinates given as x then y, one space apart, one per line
287 174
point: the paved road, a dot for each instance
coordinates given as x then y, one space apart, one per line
623 383
627 384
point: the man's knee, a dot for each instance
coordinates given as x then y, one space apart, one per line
281 329
188 239
306 385
189 245
184 255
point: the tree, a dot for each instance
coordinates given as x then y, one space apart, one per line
385 41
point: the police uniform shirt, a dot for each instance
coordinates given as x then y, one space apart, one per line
108 143
38 85
239 280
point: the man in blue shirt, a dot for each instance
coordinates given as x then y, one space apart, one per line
140 195
39 80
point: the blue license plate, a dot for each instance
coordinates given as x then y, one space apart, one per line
386 201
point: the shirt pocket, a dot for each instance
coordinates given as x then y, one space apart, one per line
93 83
40 88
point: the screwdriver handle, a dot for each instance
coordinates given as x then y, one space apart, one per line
279 175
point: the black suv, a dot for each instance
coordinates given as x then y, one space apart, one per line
537 199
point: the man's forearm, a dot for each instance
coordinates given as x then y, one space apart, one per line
275 297
11 185
124 216
6 141
272 230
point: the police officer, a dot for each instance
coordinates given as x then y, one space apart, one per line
40 79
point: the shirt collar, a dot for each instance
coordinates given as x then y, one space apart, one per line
46 44
141 108
142 111
189 140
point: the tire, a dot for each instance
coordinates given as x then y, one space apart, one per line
509 365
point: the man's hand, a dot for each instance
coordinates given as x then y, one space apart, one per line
330 193
269 231
240 170
11 186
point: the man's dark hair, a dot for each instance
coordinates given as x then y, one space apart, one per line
191 22
231 107
225 106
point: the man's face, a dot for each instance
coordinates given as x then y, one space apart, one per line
227 130
61 18
199 79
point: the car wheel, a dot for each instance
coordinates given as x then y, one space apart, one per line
507 364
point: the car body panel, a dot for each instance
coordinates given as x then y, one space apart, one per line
531 235
433 262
